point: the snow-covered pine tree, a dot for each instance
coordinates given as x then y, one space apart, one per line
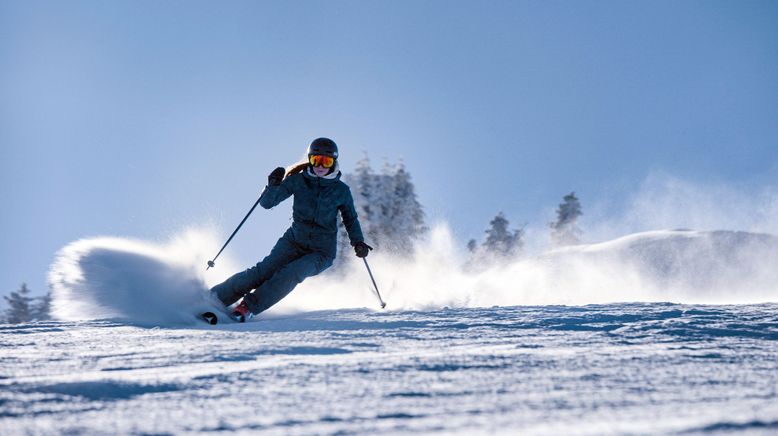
41 308
405 218
383 229
19 303
362 185
414 210
497 235
501 242
565 231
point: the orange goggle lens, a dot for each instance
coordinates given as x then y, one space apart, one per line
317 160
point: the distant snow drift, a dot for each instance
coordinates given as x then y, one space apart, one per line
156 284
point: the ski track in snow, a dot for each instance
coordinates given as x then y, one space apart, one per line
615 368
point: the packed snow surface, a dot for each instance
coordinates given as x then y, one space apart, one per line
598 369
538 345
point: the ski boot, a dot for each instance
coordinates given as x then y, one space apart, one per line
241 312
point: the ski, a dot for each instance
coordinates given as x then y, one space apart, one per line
210 318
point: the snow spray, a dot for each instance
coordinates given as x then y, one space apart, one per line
141 281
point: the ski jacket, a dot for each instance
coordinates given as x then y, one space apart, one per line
317 202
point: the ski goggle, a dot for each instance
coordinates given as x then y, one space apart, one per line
320 160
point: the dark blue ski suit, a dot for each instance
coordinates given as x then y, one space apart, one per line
307 248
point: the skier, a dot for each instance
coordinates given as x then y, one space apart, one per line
308 247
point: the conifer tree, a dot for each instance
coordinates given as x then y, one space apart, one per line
500 244
19 303
41 308
500 241
498 237
565 231
405 218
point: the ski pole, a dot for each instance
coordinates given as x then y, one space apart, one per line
211 262
374 285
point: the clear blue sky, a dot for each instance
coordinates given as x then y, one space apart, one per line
137 118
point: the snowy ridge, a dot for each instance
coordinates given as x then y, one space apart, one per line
163 284
687 265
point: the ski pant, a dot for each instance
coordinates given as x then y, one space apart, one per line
287 265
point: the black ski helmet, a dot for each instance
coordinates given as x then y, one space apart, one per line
323 146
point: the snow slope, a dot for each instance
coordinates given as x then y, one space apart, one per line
652 368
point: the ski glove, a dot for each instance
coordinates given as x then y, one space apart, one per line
274 179
362 249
